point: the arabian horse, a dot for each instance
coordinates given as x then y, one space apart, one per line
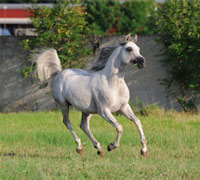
103 90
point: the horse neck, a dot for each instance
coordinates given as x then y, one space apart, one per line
114 68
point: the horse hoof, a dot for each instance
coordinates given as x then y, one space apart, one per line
110 147
101 153
144 153
79 151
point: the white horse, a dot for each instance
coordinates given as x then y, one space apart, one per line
103 91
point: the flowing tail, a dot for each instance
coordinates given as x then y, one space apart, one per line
47 64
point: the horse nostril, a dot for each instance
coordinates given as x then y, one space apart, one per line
140 60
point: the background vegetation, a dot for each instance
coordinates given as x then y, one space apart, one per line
178 25
113 17
62 27
38 146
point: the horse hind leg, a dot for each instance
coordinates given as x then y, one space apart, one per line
86 128
66 121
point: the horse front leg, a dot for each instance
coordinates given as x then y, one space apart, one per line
107 115
85 126
128 112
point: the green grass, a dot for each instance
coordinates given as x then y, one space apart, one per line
38 146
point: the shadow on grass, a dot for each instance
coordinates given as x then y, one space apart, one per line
35 155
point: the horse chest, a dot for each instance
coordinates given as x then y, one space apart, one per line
113 95
123 93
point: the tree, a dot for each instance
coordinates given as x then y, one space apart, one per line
62 27
179 28
101 15
135 17
113 17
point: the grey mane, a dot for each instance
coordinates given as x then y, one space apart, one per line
102 59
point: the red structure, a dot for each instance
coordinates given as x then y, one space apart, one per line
15 19
14 13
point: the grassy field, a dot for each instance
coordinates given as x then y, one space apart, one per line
38 146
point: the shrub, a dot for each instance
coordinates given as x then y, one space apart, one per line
179 28
62 27
136 17
101 15
113 17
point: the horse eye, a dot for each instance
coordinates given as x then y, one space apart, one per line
129 49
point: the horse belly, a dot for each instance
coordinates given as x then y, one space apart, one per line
80 96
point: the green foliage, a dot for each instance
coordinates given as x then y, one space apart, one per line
179 27
25 72
113 17
101 14
62 27
139 108
136 16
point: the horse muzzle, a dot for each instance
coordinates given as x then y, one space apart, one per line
140 61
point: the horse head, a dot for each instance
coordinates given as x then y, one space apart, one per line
131 52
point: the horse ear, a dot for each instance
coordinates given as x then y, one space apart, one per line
128 38
135 38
